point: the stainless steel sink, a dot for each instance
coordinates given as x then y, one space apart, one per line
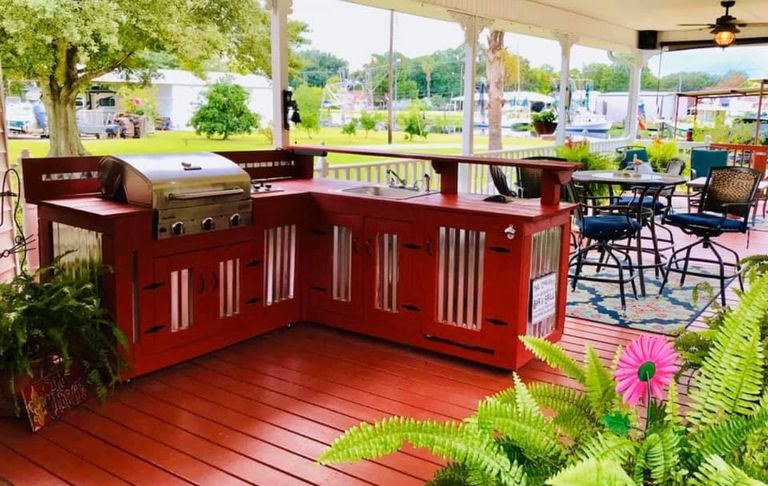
386 192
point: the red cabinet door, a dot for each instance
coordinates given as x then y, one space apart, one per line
335 266
394 300
474 272
184 302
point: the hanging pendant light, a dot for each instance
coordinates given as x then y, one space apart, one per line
725 35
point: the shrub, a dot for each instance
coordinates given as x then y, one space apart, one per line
414 120
309 99
350 128
660 153
368 121
224 112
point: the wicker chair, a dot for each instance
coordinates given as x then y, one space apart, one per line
725 206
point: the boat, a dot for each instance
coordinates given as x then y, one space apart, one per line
584 121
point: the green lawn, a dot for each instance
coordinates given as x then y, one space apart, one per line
165 142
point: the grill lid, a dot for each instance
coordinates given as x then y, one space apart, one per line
173 180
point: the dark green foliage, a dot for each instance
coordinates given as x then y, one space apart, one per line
316 67
224 112
544 117
309 99
349 128
58 316
414 120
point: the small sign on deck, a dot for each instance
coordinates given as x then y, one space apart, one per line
543 297
46 399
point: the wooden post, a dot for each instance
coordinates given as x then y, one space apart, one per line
566 42
279 37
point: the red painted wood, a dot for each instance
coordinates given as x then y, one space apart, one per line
17 469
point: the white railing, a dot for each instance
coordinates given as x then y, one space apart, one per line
376 172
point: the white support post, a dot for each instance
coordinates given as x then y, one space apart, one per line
633 100
472 26
279 34
566 42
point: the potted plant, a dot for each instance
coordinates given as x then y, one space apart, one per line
544 122
52 319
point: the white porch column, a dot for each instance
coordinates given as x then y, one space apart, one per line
566 42
279 34
472 26
633 100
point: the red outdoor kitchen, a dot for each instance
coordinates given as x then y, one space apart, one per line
210 249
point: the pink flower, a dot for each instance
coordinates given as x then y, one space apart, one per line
646 359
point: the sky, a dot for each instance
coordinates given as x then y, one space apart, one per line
353 32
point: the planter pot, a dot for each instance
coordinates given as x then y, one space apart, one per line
545 128
40 368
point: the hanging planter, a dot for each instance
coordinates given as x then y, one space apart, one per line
544 123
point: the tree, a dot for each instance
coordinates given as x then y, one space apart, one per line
224 112
309 99
428 67
494 65
65 44
350 128
317 67
414 121
368 121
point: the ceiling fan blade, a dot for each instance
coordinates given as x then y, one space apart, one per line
695 25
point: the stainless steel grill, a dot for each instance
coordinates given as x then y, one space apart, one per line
191 193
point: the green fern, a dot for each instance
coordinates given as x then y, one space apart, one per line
731 379
725 438
591 472
658 457
716 472
555 357
572 410
607 446
452 441
599 384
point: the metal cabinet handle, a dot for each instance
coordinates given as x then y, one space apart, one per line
429 246
215 276
368 247
202 285
356 245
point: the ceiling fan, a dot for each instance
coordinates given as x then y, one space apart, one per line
725 27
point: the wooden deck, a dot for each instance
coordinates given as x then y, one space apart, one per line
262 411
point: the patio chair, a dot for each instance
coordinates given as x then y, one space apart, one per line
602 229
528 179
725 206
702 160
627 155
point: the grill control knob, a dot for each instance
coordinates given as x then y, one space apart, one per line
235 219
208 224
177 228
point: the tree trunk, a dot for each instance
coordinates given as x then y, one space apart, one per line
428 75
494 68
62 123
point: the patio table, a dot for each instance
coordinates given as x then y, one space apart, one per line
630 179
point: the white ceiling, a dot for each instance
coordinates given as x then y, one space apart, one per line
660 14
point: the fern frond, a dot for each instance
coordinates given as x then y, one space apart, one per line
529 431
598 383
725 438
716 472
572 411
591 472
659 456
555 357
523 399
731 377
453 441
606 446
453 474
673 416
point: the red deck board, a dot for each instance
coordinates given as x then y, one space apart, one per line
262 411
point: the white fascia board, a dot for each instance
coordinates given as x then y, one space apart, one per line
523 17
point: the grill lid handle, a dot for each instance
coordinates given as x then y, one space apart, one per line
182 196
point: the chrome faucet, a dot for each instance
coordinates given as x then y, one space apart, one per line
395 180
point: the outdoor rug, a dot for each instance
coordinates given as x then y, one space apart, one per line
669 313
